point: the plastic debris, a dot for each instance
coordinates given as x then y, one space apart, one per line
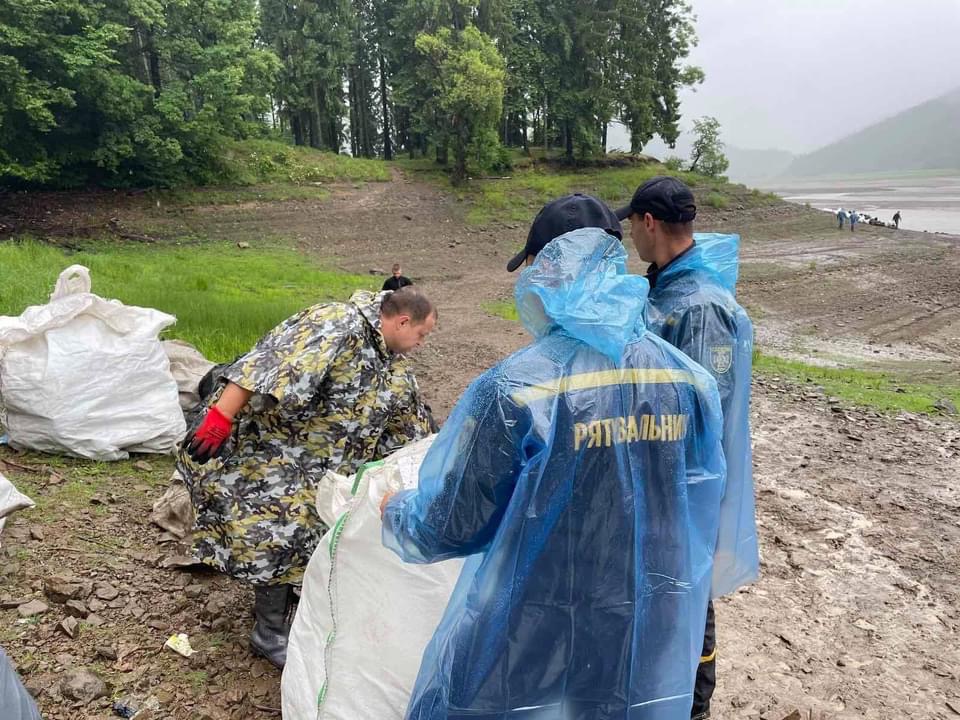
123 710
180 644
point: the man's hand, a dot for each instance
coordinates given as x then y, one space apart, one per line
383 503
207 441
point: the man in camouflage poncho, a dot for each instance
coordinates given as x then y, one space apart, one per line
327 389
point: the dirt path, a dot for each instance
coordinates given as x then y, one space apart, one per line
856 614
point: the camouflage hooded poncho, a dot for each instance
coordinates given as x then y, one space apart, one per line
329 395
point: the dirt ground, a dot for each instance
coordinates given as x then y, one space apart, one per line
856 614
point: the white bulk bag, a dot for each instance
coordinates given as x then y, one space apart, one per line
188 366
365 616
11 500
88 377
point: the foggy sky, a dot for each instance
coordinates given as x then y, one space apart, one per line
798 74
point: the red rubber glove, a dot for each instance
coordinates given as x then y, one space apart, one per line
208 439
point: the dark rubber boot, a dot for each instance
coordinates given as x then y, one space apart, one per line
706 671
271 607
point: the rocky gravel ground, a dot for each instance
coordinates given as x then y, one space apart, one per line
855 615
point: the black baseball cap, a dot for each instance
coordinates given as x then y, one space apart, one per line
664 197
560 216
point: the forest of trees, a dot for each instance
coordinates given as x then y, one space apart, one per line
147 92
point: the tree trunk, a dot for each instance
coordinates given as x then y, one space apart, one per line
523 133
155 71
333 127
458 13
313 129
352 110
366 120
387 145
695 161
315 118
568 132
443 155
141 54
546 130
297 129
460 163
404 134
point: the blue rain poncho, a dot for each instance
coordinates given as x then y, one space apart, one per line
692 307
583 475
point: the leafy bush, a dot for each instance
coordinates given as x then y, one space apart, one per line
717 201
674 163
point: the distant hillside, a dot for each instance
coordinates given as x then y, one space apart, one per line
925 137
751 165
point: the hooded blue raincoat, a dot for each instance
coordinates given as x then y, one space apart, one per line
692 307
583 476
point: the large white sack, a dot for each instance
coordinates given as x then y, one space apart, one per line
188 366
365 617
88 377
11 500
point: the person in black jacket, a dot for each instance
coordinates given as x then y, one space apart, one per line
397 280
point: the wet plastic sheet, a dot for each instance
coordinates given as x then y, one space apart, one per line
364 616
693 308
586 491
11 500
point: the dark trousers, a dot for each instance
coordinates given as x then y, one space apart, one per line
707 670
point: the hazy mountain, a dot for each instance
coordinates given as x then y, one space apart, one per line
925 137
751 165
745 165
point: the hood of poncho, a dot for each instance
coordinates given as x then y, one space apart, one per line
579 285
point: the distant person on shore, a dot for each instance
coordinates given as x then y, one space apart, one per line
854 218
896 219
841 216
397 280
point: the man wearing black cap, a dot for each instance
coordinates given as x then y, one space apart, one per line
582 475
559 217
661 216
691 309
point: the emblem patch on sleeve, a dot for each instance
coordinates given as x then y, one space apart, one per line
721 358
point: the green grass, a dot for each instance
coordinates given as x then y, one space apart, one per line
224 298
717 201
270 161
198 679
271 170
876 390
501 308
531 185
